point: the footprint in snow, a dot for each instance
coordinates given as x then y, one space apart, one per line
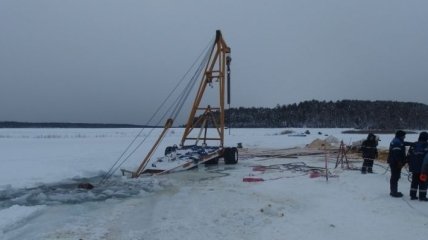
272 211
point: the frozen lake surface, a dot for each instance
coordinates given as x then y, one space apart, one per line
41 167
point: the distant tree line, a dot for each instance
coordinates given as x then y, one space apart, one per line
357 114
340 114
10 124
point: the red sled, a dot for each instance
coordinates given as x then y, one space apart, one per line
252 179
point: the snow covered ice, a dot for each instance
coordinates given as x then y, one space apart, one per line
41 167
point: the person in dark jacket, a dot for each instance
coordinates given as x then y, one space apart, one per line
369 150
416 157
396 160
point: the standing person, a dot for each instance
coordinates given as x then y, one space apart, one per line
396 160
423 177
369 149
416 155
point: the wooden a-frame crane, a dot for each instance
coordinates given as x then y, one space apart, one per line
217 71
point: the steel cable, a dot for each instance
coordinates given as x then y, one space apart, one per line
117 165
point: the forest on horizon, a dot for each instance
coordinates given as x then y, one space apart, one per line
358 114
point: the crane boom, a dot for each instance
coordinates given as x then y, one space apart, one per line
216 70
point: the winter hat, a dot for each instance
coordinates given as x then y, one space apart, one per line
400 133
423 137
371 137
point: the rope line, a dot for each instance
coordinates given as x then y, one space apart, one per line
293 167
186 92
120 161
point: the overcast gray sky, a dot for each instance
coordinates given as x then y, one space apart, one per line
114 61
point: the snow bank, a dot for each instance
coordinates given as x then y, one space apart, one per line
16 216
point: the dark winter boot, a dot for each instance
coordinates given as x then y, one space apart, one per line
423 196
370 166
393 185
396 194
363 170
413 194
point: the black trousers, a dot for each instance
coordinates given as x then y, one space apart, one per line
367 165
395 176
418 184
